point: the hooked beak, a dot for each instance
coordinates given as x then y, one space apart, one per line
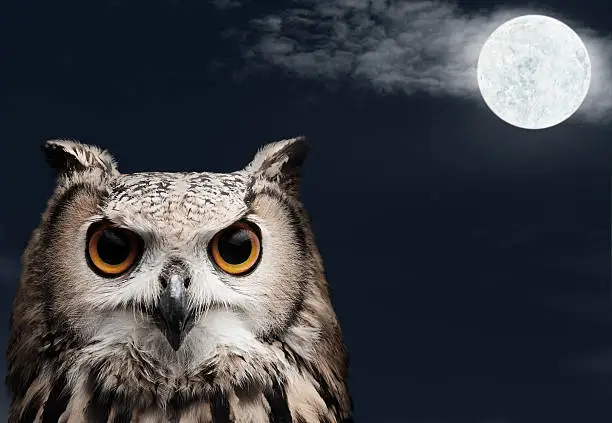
174 317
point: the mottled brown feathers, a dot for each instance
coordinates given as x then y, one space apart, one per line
265 346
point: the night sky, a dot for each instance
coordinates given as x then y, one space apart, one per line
469 260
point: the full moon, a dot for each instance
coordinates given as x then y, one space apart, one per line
534 72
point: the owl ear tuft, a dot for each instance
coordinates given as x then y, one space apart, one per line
66 157
280 161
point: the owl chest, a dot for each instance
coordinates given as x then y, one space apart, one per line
229 408
281 402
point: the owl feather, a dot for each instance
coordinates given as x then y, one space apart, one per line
175 297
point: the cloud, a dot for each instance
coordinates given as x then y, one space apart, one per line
225 4
416 46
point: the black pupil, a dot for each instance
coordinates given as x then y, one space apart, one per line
235 245
113 246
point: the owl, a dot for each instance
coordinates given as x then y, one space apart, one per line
175 297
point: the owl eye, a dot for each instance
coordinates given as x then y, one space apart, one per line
112 251
236 249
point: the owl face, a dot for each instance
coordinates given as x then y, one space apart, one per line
176 264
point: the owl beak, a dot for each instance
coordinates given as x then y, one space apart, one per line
174 315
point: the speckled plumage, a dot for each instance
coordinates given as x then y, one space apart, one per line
265 347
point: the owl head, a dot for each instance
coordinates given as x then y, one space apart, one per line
175 294
179 265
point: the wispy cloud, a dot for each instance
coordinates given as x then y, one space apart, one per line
427 46
226 4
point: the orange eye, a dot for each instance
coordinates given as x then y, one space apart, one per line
236 249
112 251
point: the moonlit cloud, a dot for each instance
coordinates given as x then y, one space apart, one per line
426 46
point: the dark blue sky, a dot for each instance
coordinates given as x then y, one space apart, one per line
469 260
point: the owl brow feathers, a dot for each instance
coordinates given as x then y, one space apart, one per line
279 164
66 156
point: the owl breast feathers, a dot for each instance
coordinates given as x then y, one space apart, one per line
175 297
